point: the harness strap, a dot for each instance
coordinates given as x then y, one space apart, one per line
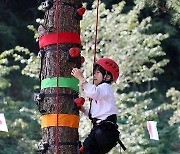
89 113
112 118
122 145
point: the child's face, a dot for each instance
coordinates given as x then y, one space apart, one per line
97 77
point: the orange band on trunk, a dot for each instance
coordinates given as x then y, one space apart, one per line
67 120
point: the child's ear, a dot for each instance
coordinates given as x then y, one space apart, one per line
108 77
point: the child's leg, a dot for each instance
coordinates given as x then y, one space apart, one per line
90 144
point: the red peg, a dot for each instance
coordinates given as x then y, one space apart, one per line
81 11
74 52
79 101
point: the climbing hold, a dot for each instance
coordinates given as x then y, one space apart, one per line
74 52
79 101
81 11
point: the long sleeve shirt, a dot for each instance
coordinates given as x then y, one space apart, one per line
103 103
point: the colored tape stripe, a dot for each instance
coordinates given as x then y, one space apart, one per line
66 120
63 82
63 37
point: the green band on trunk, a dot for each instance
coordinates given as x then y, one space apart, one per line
62 82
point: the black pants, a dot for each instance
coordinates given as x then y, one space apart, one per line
90 144
103 137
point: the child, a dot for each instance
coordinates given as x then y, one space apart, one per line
103 112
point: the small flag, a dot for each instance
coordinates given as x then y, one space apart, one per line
3 126
151 126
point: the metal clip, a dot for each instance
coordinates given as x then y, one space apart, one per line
39 96
47 4
43 147
41 54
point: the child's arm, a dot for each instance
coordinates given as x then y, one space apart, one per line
79 75
91 91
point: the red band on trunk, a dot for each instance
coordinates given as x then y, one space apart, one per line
63 37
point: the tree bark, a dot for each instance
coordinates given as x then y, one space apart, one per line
67 23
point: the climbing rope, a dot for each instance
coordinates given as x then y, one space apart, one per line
95 45
57 76
96 34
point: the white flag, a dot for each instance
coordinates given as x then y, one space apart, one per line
151 126
3 126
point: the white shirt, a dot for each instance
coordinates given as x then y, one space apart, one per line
103 103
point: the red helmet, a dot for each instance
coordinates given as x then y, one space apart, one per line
110 66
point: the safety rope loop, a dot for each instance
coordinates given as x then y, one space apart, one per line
57 75
95 41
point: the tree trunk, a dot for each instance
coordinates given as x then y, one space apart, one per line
67 23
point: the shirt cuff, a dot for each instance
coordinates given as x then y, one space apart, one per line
86 112
87 87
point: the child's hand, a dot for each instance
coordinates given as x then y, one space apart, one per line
77 73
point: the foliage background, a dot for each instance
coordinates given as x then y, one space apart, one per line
142 36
